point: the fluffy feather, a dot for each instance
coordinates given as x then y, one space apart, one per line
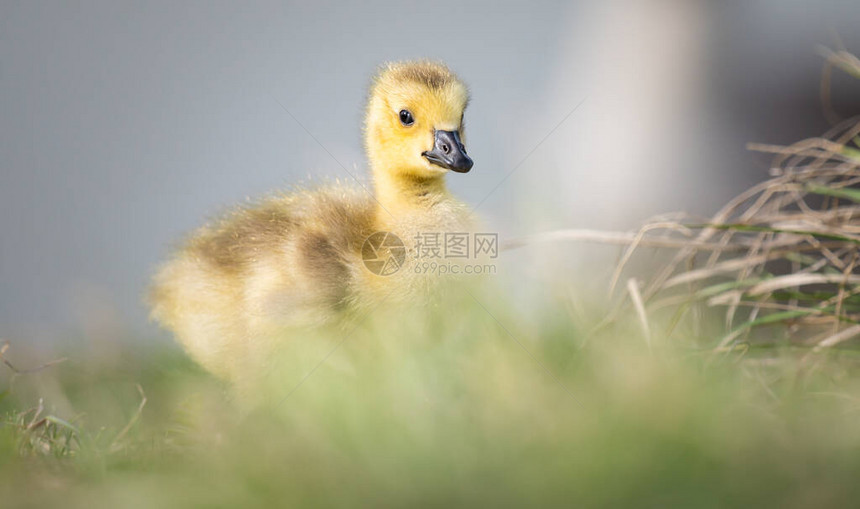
294 260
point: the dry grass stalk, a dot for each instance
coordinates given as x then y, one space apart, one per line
784 251
789 247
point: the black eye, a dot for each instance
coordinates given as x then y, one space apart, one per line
406 117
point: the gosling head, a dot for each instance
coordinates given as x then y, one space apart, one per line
414 123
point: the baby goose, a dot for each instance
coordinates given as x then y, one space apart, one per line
296 259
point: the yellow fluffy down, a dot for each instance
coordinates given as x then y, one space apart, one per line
238 285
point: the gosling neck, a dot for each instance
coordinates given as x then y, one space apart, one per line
400 193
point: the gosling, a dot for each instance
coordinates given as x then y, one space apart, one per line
295 259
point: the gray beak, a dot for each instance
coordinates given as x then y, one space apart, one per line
449 152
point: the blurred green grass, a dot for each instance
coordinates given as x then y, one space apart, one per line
469 401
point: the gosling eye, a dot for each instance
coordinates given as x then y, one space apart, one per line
406 117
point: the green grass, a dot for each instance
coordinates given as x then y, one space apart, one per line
442 406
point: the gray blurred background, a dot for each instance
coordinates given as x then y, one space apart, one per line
124 125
